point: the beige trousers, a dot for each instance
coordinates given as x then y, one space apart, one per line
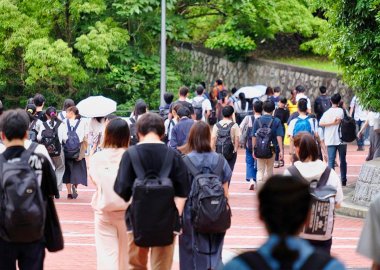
264 169
161 258
111 241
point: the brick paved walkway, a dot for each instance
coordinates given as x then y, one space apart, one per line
247 231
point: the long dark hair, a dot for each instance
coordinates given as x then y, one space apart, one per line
199 139
75 110
307 146
117 134
51 113
243 101
284 204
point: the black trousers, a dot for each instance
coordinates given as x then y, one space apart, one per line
29 256
232 161
324 246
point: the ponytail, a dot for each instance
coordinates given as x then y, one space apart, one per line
53 118
285 256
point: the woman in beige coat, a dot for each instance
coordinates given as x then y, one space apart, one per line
110 229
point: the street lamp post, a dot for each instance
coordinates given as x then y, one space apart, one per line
163 51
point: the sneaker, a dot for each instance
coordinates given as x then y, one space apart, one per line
276 164
75 193
281 163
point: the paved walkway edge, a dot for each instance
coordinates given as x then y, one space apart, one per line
348 208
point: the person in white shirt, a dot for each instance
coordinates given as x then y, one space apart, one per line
66 104
301 94
311 168
360 115
202 106
374 137
330 121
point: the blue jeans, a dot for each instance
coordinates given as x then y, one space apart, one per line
360 141
251 165
342 150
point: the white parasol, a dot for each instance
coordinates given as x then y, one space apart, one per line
256 91
96 106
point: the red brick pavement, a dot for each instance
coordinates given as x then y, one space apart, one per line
247 231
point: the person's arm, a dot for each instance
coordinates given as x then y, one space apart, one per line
336 121
281 147
123 183
225 187
236 143
364 127
180 204
214 133
352 110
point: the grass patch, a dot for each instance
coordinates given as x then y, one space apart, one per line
314 63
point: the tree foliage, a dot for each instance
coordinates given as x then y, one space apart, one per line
352 39
75 48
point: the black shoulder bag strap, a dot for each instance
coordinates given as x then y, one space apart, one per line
167 165
254 260
324 177
191 167
136 162
317 260
271 122
133 121
46 126
32 147
295 172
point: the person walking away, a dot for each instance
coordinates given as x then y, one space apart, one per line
268 94
374 136
201 105
312 169
223 102
218 88
170 123
183 100
267 132
95 134
181 130
303 123
155 209
110 230
233 97
301 94
369 242
212 119
75 163
225 137
66 104
282 113
23 206
201 243
330 121
322 103
246 127
53 134
292 102
140 109
164 110
39 101
284 217
241 108
276 96
360 115
34 123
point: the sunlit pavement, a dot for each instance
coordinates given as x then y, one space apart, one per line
247 232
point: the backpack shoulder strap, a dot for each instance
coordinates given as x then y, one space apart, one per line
46 126
317 260
33 124
230 125
76 126
61 114
133 121
254 260
190 166
167 165
324 177
218 125
260 123
271 122
295 172
136 162
28 152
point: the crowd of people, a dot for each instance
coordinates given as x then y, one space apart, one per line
159 175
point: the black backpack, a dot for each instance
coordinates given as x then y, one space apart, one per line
71 147
32 132
264 147
316 261
197 105
133 130
212 119
209 208
324 103
50 139
164 113
347 128
153 213
224 144
23 209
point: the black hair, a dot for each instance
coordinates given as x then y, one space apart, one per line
168 97
31 110
277 89
336 98
200 89
111 117
75 110
268 106
183 91
30 101
283 100
151 122
243 101
51 113
99 118
39 100
203 84
117 134
223 95
300 89
284 215
219 82
323 89
14 124
269 91
67 104
228 111
233 90
140 108
302 105
258 106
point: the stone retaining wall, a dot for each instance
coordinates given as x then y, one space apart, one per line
212 65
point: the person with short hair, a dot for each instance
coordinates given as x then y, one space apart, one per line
170 123
152 152
30 255
191 244
227 120
282 113
204 102
265 165
300 89
181 130
284 218
276 96
218 88
39 101
360 115
222 103
184 101
111 238
330 121
322 103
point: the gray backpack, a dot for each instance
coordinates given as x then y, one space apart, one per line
23 209
320 223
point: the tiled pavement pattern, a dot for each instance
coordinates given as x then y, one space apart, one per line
247 231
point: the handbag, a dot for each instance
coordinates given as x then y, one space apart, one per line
53 232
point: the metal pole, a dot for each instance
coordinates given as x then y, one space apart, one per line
163 51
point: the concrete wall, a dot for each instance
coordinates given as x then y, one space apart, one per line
212 65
